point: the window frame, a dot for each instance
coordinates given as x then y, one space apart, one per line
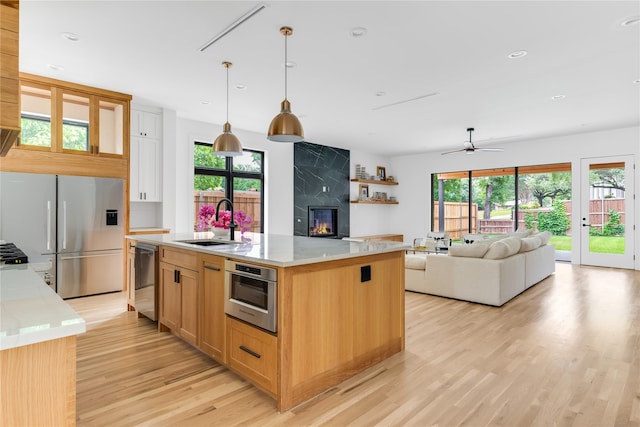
228 173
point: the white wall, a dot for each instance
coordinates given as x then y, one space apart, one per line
178 176
414 172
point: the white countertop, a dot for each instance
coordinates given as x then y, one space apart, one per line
30 311
275 249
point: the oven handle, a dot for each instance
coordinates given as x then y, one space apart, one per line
249 276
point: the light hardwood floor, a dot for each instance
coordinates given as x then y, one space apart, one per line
565 352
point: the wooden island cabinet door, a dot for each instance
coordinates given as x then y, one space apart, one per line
189 305
212 326
170 301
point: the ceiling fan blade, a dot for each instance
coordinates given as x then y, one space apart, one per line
490 149
454 151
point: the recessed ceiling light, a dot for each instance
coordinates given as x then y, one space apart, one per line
289 64
72 37
205 102
358 32
55 67
381 93
556 97
240 86
630 21
636 81
517 54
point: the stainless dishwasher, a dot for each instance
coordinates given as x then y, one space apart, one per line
146 290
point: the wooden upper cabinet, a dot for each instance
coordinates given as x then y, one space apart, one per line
64 117
9 80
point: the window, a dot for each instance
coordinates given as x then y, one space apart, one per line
75 135
36 131
485 202
240 179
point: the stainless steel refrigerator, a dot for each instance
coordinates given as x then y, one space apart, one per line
70 227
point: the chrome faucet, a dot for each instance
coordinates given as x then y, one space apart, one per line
232 223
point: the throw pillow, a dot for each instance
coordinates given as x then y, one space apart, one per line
544 237
476 250
503 248
529 243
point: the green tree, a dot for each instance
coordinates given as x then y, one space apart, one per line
556 221
492 190
35 132
549 186
607 178
613 226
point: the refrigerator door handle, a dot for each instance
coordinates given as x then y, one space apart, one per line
85 256
64 225
48 225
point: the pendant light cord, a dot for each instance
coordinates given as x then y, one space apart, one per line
285 65
227 67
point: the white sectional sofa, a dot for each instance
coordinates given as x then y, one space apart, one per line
486 272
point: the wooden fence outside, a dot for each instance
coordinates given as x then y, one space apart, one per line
457 217
246 201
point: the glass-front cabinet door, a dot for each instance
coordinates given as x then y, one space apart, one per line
75 129
66 119
111 133
35 120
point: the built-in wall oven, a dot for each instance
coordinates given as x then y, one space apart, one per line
251 294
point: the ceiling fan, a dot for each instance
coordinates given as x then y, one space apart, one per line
470 148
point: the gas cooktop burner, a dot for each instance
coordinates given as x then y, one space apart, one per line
10 254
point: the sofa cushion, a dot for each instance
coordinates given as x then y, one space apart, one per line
415 261
544 237
520 232
475 250
503 248
530 243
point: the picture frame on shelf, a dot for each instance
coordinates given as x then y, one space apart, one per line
363 192
381 172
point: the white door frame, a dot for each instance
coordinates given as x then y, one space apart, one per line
587 257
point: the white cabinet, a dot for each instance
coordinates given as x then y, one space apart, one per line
145 156
145 124
145 170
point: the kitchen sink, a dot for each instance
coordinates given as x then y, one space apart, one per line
208 242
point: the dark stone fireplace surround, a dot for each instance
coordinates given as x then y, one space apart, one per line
321 178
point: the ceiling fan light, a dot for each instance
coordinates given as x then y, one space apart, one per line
227 144
285 127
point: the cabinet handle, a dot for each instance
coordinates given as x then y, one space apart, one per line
176 276
97 150
145 195
251 352
140 196
209 267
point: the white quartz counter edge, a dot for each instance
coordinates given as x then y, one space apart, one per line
31 312
273 249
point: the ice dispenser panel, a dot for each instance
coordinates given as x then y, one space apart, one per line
112 217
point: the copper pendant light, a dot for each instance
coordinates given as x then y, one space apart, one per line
285 127
227 144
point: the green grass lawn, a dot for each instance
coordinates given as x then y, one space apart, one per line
599 244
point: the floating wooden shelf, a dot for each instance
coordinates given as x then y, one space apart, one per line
373 181
374 202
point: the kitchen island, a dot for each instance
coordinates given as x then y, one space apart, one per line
340 307
37 351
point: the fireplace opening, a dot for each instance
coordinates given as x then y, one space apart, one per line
323 221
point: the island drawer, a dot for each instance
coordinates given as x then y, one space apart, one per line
253 352
185 259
